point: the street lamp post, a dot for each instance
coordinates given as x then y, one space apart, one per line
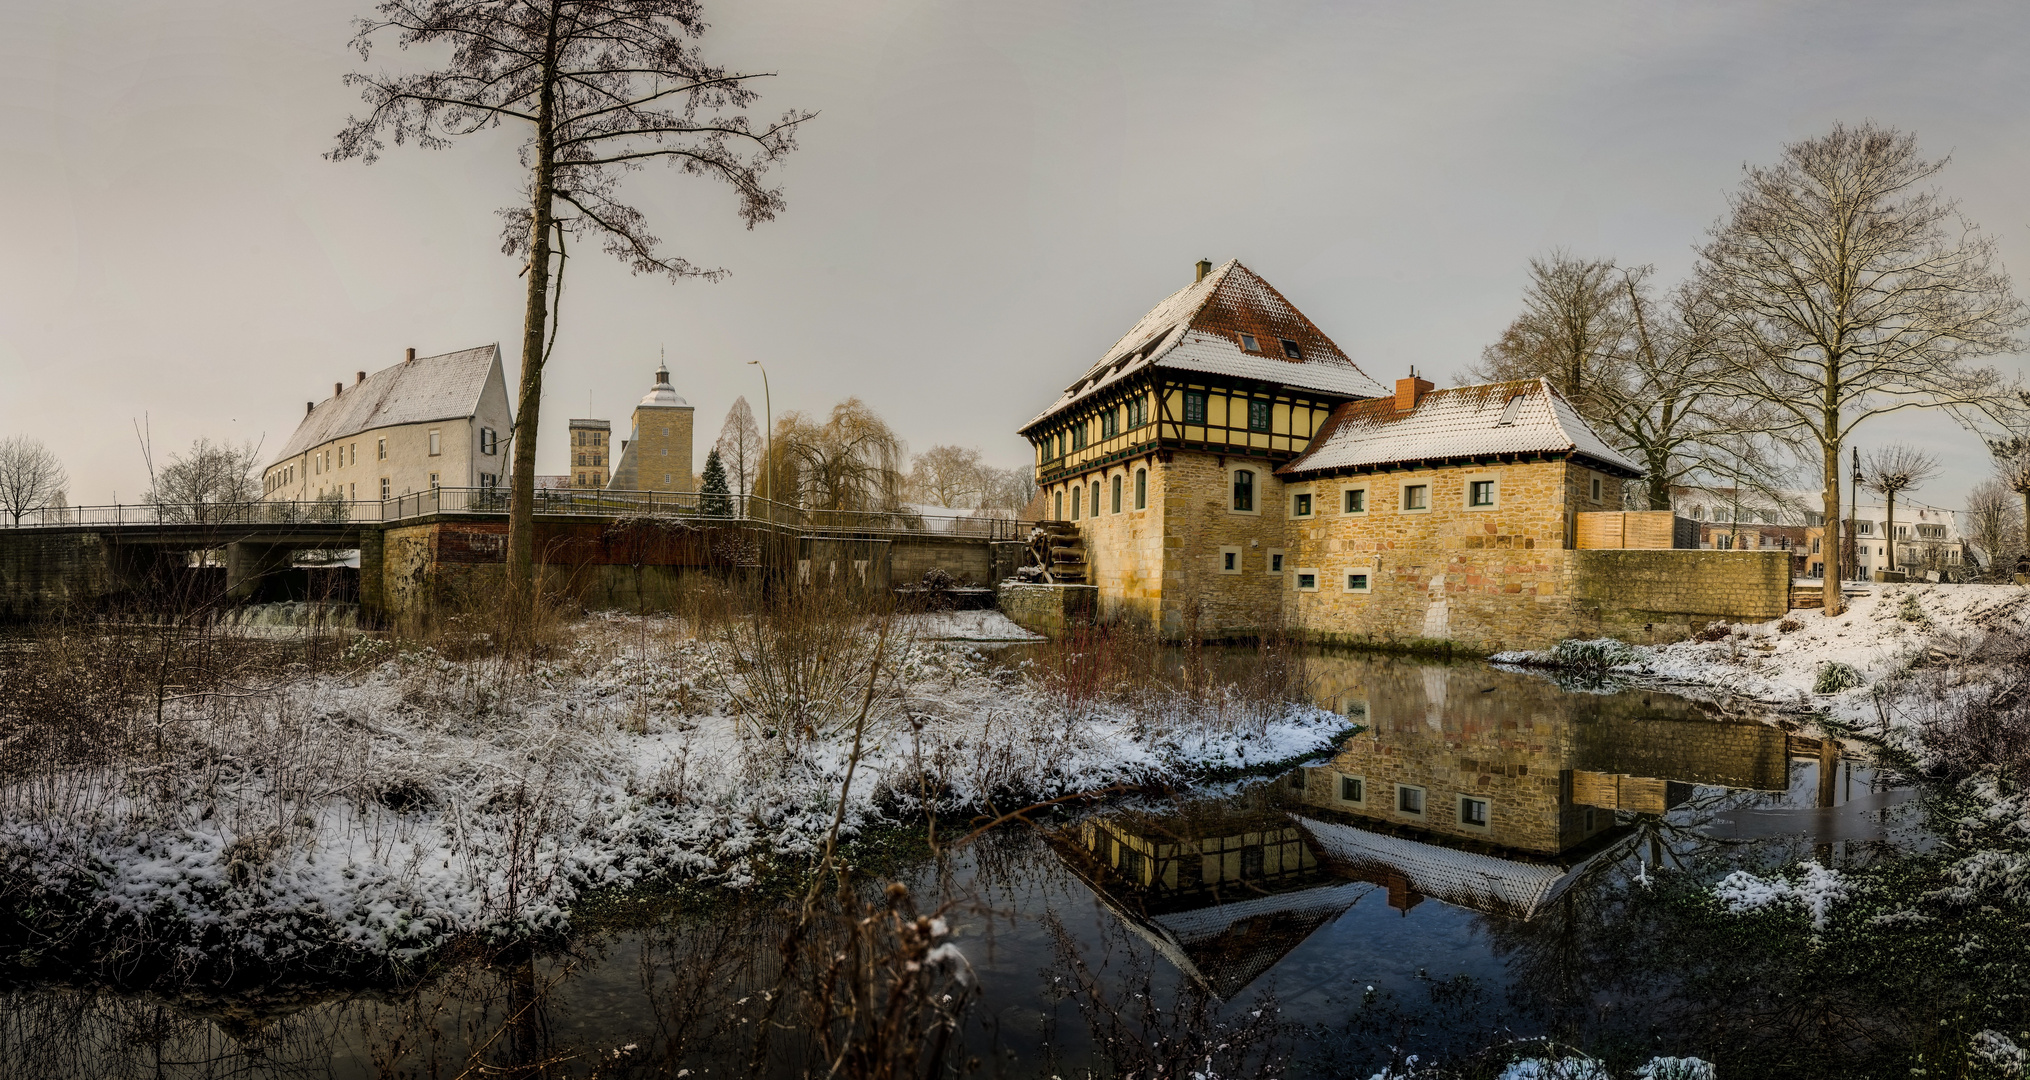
1854 515
768 443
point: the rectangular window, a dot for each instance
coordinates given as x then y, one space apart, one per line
1115 504
1244 489
1356 583
1194 406
487 443
1596 489
433 481
1138 412
1472 812
1230 560
436 443
1356 500
1291 350
1077 496
1480 493
1300 504
1307 581
384 487
1058 452
1258 415
1110 423
1078 435
1352 789
1141 489
1416 497
1253 862
1249 343
1866 528
1297 780
1410 800
1275 562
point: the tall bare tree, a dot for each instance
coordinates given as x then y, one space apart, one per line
1892 470
950 476
1570 331
852 460
601 88
1847 289
212 482
31 477
1994 525
740 447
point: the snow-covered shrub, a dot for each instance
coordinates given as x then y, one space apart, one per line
1816 891
1998 1054
1570 1068
1834 677
1677 1068
1974 716
1599 654
1911 611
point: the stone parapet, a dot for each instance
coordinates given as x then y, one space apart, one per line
1049 610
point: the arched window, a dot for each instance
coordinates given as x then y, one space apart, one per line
1077 493
1115 505
1141 489
1060 504
1244 489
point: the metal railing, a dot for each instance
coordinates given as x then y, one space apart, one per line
586 502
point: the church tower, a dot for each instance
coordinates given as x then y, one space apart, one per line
657 453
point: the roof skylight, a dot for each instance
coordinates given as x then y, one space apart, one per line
1291 350
1508 411
1249 343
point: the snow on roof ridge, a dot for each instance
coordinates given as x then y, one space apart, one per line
1450 423
442 387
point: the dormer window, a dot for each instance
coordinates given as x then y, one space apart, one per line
1291 350
1249 343
1509 410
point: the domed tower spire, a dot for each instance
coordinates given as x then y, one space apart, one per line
657 455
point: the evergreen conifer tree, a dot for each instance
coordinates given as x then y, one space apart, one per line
715 498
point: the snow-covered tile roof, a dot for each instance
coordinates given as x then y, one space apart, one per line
1486 883
445 387
1523 417
1200 327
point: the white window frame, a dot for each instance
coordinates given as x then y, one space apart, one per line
1595 487
1310 498
1403 496
436 442
1422 813
1459 812
1466 491
1273 561
1261 485
1339 789
1297 579
1346 582
1238 560
1366 499
1141 489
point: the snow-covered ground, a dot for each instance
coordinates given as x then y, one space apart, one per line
376 813
1781 662
984 626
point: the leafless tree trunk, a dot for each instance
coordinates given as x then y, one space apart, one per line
1894 469
1994 525
1845 290
603 87
30 476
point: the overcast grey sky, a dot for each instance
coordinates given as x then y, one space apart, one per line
991 195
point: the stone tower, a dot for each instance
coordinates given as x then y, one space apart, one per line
657 453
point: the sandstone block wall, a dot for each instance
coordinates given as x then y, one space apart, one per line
44 572
1198 525
1049 609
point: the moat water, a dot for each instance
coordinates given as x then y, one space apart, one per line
1469 870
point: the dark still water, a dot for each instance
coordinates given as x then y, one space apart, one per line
1493 859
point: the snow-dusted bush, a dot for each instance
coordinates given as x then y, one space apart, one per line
1677 1068
1999 1054
1816 890
1835 677
1599 654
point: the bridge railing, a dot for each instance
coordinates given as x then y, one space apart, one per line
587 502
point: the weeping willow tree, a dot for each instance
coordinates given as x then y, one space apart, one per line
851 461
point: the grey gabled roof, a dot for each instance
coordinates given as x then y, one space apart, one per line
1527 416
1468 879
444 387
1198 328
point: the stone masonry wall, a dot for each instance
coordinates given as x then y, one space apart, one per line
1200 528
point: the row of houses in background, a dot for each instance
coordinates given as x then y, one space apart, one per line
444 421
1925 539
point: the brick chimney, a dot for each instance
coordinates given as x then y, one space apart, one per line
337 388
1204 268
411 358
1410 391
309 407
359 377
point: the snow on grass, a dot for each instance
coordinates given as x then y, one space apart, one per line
378 814
1816 890
1786 661
983 626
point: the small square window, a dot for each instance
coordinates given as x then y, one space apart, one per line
1230 560
1356 583
1249 343
1300 504
1356 500
1194 406
1275 562
1472 812
1480 493
1307 581
1410 800
1258 415
1416 496
1291 350
1352 789
1596 489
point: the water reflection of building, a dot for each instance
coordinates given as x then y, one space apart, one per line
1222 892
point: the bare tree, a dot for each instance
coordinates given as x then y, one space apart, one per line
1009 489
1894 469
950 476
1846 290
2012 466
602 88
1570 331
212 482
851 461
740 447
1994 525
31 477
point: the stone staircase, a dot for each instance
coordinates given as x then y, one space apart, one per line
1067 553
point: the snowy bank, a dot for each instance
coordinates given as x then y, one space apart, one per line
1802 660
376 814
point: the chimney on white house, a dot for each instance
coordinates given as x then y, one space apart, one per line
1410 391
411 358
359 377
